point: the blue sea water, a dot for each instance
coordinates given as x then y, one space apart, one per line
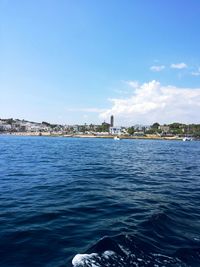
99 202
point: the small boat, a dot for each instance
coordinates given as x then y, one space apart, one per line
187 139
117 138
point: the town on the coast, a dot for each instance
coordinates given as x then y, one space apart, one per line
155 131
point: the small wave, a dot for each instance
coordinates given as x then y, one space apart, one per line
127 253
140 250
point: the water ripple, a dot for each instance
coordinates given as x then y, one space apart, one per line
127 203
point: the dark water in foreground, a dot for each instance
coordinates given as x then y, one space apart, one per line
123 203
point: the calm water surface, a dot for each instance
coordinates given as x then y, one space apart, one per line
122 203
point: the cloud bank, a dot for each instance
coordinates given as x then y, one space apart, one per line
151 102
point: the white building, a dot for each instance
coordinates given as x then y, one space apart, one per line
5 127
115 130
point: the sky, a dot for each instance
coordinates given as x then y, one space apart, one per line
79 61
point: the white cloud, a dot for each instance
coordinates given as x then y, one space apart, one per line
157 68
179 66
196 73
152 102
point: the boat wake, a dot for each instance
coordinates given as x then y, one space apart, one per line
126 252
139 250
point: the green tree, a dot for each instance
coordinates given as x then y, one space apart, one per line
10 121
46 123
155 125
131 130
151 131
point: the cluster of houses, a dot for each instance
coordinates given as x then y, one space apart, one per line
11 125
23 126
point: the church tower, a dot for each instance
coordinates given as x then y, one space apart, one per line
111 121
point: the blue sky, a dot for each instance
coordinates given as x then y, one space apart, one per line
77 61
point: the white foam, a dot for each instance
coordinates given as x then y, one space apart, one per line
82 259
108 253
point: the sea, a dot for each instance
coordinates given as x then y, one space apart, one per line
95 202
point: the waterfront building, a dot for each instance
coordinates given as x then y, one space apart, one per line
164 128
115 130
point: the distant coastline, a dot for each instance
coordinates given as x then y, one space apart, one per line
45 134
173 131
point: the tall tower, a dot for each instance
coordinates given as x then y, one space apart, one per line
111 121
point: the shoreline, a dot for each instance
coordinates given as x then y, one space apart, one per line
44 134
